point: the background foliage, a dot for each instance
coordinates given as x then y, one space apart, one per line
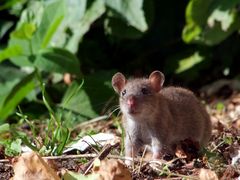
193 42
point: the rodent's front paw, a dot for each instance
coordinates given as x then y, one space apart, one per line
157 155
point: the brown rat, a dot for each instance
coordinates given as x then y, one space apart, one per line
157 116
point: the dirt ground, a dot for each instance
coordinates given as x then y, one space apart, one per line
220 159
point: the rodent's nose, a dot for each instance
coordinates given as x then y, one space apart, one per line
131 101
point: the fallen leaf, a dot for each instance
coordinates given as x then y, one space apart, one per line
96 139
69 175
179 152
207 174
111 169
229 173
31 166
187 149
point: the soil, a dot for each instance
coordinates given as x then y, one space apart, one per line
217 157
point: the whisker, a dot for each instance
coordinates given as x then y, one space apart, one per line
119 113
114 110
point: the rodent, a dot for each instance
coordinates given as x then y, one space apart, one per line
159 116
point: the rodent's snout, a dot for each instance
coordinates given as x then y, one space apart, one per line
131 101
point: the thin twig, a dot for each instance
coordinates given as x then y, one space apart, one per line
216 146
184 176
105 152
4 160
141 161
93 155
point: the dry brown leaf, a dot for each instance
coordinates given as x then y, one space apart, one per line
187 149
31 166
207 174
111 169
229 173
179 152
236 124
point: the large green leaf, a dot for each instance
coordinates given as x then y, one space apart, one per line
210 21
75 10
10 52
79 28
4 128
35 29
80 16
9 77
91 98
5 4
131 11
5 26
52 17
19 45
25 31
116 25
16 94
118 28
57 60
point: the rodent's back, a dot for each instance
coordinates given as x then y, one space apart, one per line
190 117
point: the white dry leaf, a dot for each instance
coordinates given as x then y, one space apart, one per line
86 141
25 149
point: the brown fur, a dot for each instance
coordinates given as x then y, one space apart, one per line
161 117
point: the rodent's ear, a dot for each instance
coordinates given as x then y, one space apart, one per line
118 82
157 79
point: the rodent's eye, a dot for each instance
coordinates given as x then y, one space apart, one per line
145 91
124 92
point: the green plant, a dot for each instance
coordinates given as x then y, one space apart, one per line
48 33
87 37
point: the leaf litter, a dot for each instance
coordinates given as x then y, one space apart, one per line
219 160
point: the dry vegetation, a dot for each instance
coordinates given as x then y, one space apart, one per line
219 160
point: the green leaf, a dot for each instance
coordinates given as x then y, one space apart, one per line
220 106
25 31
5 26
14 148
4 128
210 21
22 35
69 175
69 96
80 27
10 52
131 11
63 136
9 77
90 99
52 17
118 28
189 62
57 60
79 103
19 91
23 57
228 140
6 4
75 10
